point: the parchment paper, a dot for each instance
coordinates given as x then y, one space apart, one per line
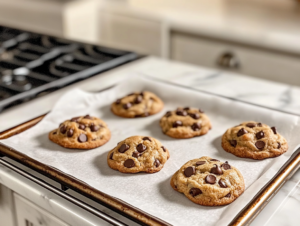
152 192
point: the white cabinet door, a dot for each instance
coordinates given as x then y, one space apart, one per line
6 206
28 214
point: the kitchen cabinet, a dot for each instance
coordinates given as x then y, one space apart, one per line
7 212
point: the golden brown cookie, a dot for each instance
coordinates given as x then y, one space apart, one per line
209 182
138 154
185 123
84 132
254 140
137 105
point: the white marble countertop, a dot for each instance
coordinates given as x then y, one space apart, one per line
282 208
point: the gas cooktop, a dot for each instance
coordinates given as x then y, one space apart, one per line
32 65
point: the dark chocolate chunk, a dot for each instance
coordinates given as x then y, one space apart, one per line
168 114
226 166
222 184
70 132
233 143
111 156
142 94
123 148
63 129
259 124
147 138
279 145
210 179
136 154
250 125
186 108
181 112
260 135
195 191
127 106
94 128
216 170
138 99
215 160
88 117
75 119
82 138
54 133
274 129
196 126
199 163
241 132
228 195
177 123
141 148
81 126
260 144
164 149
194 115
189 171
156 162
129 163
118 101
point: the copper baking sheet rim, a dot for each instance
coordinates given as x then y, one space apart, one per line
243 218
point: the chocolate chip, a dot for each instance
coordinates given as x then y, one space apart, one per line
111 156
168 114
222 184
82 138
81 126
147 138
279 145
201 111
141 148
186 108
136 154
156 162
63 129
75 119
164 149
129 163
118 101
142 94
228 195
216 170
210 179
241 132
259 124
88 117
195 191
260 135
54 133
123 148
181 112
138 99
274 129
94 128
233 143
194 115
215 160
260 144
177 123
127 106
70 132
189 171
250 125
196 126
199 163
226 166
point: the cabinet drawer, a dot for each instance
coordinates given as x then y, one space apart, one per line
130 33
28 214
262 63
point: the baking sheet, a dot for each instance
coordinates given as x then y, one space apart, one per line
152 192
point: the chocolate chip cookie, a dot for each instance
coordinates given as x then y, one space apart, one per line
209 182
83 132
139 104
185 123
138 154
254 140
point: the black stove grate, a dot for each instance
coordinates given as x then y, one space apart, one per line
32 65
